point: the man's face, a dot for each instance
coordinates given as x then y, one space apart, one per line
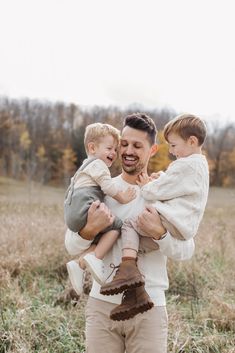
135 150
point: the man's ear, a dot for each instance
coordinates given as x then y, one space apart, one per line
154 150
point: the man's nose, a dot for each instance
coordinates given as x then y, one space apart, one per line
129 149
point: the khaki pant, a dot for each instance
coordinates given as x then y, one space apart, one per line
145 333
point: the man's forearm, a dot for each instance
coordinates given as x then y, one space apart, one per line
88 232
74 244
176 249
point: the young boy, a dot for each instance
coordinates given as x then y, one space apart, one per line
90 183
179 195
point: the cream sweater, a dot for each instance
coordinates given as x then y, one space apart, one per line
180 194
152 264
96 173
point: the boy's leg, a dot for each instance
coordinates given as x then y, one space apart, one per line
76 271
105 243
93 261
171 228
146 244
128 274
130 238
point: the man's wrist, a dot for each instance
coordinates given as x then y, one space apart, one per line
87 233
161 234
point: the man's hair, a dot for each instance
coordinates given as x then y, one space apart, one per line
143 122
186 125
95 132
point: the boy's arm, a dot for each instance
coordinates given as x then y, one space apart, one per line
150 224
101 175
178 180
125 196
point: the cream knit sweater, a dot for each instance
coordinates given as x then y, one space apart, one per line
180 194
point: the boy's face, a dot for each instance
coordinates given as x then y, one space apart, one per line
106 150
181 148
135 150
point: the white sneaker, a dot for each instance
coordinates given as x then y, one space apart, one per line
76 276
95 266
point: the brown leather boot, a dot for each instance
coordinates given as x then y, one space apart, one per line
134 301
127 276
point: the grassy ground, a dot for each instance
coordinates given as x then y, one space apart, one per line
39 312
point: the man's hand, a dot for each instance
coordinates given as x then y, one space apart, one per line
149 223
98 218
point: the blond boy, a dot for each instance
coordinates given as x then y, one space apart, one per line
92 182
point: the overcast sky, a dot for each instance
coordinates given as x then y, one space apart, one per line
167 53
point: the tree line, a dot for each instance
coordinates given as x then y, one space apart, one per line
43 141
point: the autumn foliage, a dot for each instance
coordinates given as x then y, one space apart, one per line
43 141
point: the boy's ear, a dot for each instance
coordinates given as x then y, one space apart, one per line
91 147
154 149
193 140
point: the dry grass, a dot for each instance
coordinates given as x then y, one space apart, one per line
37 308
202 291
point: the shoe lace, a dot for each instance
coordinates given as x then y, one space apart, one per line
128 293
114 267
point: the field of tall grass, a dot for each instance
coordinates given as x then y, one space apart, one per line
39 312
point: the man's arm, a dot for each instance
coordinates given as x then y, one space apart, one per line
99 217
176 249
150 225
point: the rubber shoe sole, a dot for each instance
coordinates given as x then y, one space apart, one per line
122 287
129 314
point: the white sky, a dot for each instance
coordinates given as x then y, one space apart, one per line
174 53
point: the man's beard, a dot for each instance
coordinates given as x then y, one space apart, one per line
133 170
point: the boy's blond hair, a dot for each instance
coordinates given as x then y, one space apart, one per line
186 125
95 132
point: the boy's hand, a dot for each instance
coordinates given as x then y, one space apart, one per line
99 217
126 196
143 179
155 175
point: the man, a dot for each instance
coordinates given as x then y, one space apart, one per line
145 332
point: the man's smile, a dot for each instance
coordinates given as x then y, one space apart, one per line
129 160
